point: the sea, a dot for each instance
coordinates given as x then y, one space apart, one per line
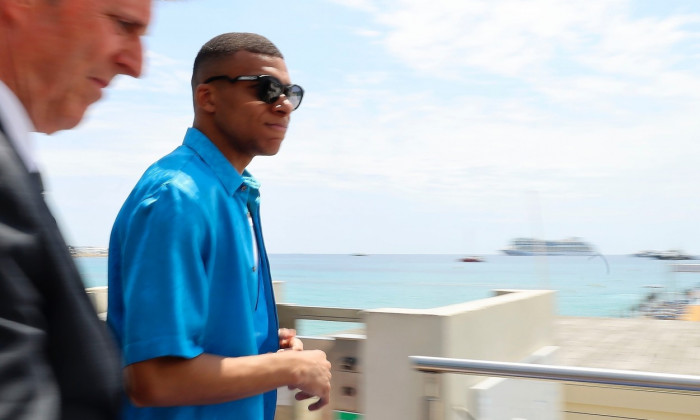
600 286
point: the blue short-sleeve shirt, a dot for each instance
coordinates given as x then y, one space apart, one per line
183 277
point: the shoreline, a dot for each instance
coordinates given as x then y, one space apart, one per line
87 251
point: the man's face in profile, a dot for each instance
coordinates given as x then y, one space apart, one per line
79 46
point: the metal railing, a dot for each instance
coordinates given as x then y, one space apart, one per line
557 373
649 383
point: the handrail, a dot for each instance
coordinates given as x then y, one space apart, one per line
288 314
557 373
321 313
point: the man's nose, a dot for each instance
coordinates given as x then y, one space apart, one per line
283 104
130 58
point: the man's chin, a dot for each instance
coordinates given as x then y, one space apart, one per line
272 149
269 152
65 121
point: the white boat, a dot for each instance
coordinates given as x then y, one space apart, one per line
672 254
533 246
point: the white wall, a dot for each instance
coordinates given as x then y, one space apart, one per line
509 327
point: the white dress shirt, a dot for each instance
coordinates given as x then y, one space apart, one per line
18 127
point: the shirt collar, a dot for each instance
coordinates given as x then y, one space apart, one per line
222 168
18 126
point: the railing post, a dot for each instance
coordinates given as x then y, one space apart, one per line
432 404
287 317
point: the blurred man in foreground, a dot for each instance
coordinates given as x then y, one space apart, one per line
56 56
191 300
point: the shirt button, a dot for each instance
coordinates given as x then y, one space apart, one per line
243 188
253 269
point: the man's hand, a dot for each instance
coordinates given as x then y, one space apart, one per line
313 371
288 340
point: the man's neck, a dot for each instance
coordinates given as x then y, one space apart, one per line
238 161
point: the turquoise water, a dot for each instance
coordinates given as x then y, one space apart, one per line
585 286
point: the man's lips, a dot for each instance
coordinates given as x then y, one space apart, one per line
102 83
277 126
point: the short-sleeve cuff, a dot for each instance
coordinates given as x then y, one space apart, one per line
160 347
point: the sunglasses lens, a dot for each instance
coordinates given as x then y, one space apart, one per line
295 93
271 89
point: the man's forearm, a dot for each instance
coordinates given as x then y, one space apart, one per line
211 379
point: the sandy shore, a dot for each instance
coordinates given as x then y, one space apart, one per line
92 251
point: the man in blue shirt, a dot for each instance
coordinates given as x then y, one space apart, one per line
191 300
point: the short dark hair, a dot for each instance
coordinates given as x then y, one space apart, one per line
225 45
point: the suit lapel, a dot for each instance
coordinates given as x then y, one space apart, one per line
11 153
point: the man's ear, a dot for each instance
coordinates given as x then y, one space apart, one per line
204 97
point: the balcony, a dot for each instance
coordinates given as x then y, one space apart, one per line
637 368
506 357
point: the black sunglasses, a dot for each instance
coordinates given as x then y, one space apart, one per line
269 88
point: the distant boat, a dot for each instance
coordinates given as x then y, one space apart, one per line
672 254
646 254
471 259
532 246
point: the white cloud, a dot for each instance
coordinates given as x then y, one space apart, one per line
363 5
368 33
530 40
161 74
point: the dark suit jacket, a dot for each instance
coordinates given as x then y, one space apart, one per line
57 360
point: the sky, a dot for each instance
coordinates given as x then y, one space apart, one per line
427 126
